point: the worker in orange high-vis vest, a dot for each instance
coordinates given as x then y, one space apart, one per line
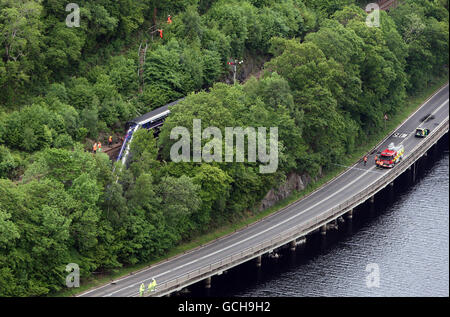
160 33
365 160
94 148
169 19
110 140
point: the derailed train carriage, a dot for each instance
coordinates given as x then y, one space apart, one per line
151 120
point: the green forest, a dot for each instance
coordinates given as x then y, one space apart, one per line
324 78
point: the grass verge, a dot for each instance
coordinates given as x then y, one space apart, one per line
411 105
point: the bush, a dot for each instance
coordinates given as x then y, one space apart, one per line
7 162
63 141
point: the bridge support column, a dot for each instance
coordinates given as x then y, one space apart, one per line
184 291
349 226
258 261
349 214
323 235
302 240
333 224
208 282
293 245
349 222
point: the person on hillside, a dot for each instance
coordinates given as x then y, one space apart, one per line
110 140
99 147
94 148
169 19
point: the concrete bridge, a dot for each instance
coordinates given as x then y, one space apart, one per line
291 225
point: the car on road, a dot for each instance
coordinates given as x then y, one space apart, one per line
422 132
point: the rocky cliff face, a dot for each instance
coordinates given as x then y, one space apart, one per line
293 182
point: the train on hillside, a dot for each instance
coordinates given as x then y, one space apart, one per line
151 120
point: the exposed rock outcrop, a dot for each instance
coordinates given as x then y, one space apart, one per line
293 182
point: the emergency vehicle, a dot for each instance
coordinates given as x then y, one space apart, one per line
422 132
390 156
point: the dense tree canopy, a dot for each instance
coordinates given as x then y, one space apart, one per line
327 83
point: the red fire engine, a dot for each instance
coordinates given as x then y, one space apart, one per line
390 156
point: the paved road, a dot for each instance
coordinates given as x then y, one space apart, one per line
351 182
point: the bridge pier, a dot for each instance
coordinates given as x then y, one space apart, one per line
302 240
349 222
349 214
390 192
349 226
413 172
372 207
333 225
323 230
184 291
293 245
208 282
258 261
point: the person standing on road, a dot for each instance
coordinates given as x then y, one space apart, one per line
141 290
152 285
365 160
